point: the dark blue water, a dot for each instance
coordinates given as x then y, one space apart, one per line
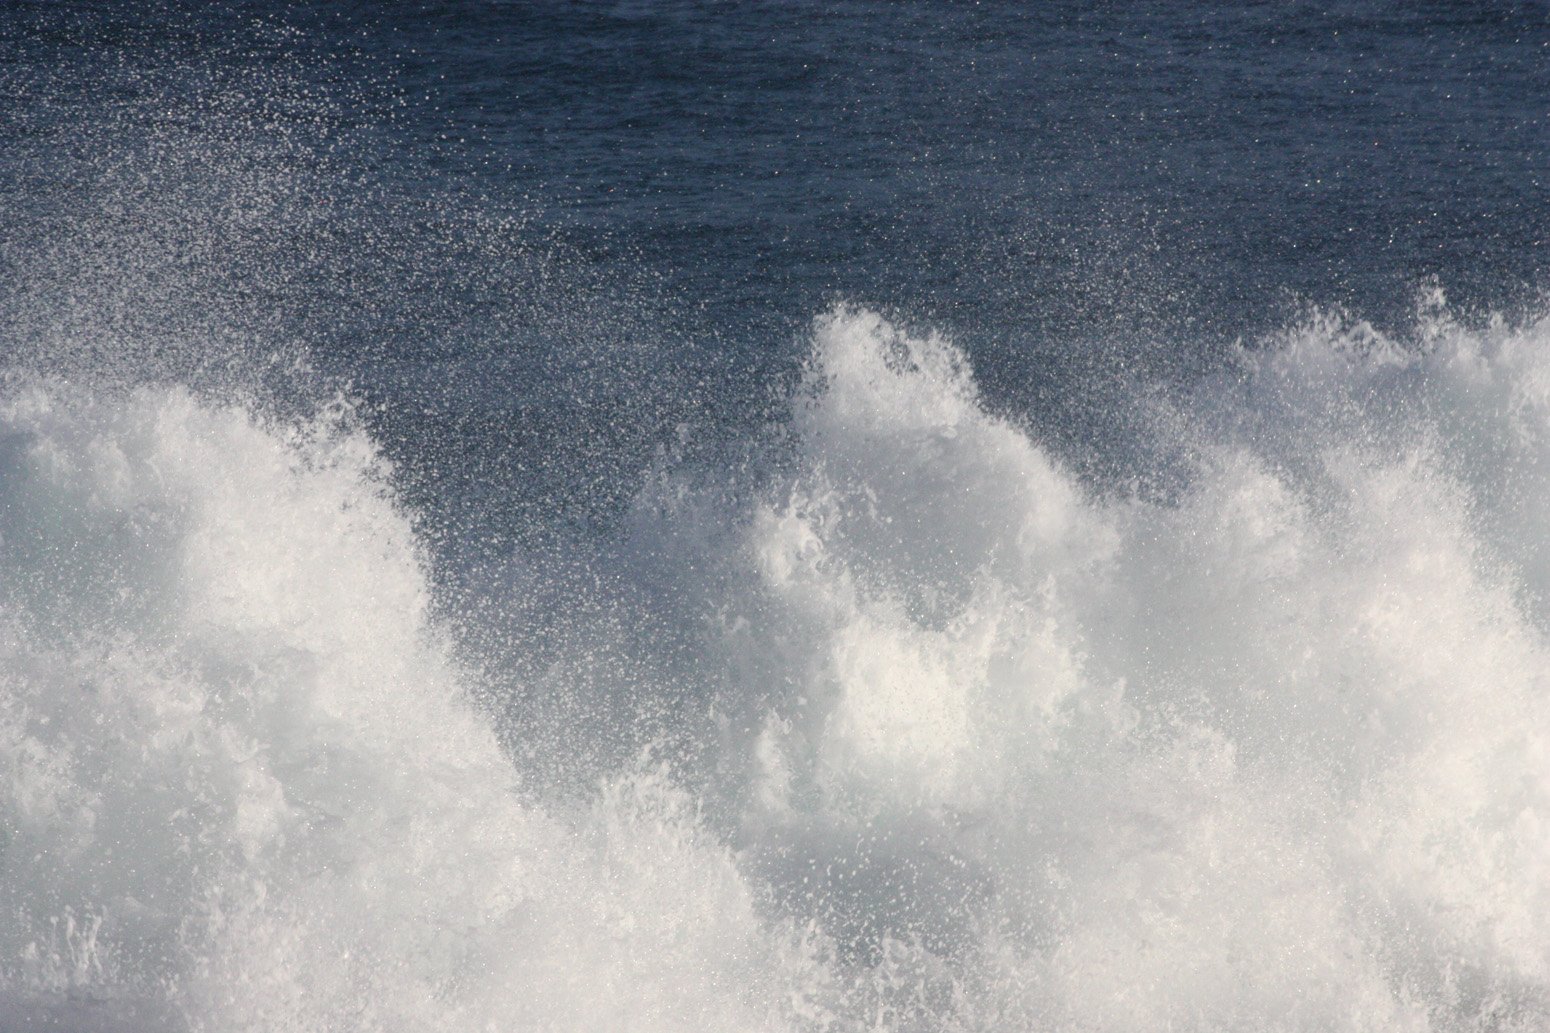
441 189
782 516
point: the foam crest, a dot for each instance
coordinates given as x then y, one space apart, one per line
963 740
922 545
244 789
1269 754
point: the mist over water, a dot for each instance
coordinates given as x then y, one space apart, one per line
428 602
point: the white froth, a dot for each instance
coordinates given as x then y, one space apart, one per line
1005 751
242 789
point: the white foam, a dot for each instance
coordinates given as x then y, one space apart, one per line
242 789
1270 755
990 747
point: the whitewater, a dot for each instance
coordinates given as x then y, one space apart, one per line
1251 734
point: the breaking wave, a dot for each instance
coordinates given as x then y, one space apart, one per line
923 730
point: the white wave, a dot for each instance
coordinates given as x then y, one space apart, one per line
1266 750
241 788
1268 755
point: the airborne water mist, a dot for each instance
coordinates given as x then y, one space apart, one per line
1258 742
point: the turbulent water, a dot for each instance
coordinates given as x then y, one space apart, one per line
845 693
1265 748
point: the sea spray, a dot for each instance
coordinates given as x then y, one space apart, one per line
1264 749
231 737
948 737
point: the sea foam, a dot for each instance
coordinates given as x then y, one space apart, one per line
243 788
1258 743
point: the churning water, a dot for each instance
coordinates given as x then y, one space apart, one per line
416 614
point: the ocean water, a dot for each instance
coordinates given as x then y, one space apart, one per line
801 517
